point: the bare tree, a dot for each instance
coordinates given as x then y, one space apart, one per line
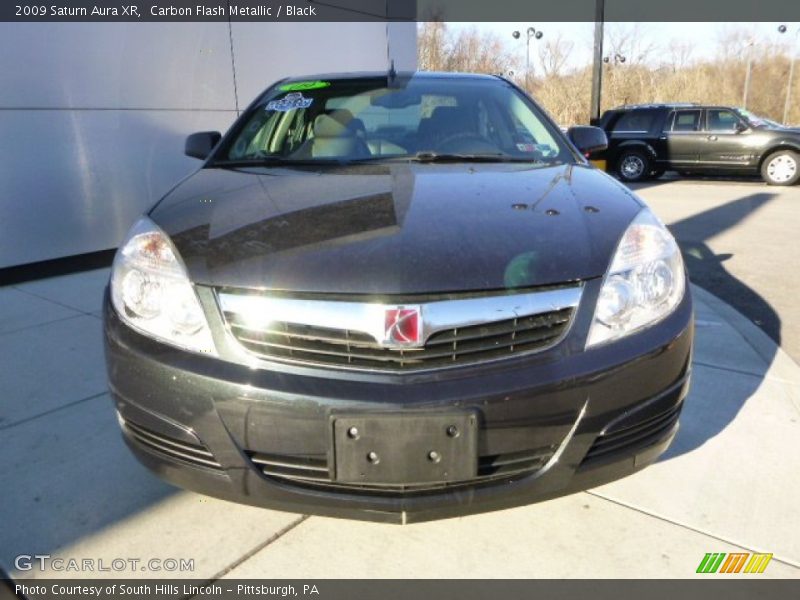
679 54
554 55
431 46
631 41
649 73
732 43
465 50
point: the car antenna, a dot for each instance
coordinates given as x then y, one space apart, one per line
392 75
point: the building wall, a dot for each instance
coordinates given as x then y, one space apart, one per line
93 116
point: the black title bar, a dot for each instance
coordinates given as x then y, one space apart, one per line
714 586
398 10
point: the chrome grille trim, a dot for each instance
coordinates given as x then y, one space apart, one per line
347 334
368 318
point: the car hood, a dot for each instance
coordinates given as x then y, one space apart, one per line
781 129
396 228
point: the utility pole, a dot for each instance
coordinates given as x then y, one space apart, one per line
788 103
747 74
597 65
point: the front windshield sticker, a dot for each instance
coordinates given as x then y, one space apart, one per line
301 86
289 102
543 149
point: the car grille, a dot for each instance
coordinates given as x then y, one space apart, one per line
193 454
639 434
305 343
313 472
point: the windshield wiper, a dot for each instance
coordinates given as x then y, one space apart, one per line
423 157
269 161
449 157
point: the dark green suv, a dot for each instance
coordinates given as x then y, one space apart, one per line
647 140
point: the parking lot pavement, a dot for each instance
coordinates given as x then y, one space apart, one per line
76 492
740 242
72 490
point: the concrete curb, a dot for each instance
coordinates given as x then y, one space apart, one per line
780 365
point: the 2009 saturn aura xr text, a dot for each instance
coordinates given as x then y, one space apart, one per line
400 297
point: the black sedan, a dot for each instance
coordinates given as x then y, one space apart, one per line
397 297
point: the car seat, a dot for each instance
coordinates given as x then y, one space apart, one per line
333 138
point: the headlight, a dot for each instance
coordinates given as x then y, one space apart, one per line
152 293
644 283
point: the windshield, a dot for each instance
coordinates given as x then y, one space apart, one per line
418 118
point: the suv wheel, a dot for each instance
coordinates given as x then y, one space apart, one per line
781 168
633 166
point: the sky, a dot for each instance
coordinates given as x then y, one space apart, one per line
703 36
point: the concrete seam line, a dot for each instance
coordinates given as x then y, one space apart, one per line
734 318
34 326
784 561
761 376
760 342
755 338
51 411
56 302
250 553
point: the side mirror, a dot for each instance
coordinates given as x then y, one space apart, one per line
741 127
588 139
199 145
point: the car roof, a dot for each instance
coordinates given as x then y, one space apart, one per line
399 74
674 105
658 105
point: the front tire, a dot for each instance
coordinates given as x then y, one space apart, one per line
633 166
781 168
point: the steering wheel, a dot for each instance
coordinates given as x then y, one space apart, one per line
465 141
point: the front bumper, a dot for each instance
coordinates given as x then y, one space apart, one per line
547 426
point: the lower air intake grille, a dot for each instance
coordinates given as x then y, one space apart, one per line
639 434
304 343
194 454
314 472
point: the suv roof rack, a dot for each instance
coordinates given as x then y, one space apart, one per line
657 105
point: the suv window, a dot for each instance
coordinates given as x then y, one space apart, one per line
721 119
686 120
635 121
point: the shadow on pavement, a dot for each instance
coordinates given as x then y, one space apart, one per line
706 268
714 405
69 479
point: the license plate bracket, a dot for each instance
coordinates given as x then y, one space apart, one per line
405 449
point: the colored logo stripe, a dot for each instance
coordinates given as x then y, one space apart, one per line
734 562
713 562
710 562
758 563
